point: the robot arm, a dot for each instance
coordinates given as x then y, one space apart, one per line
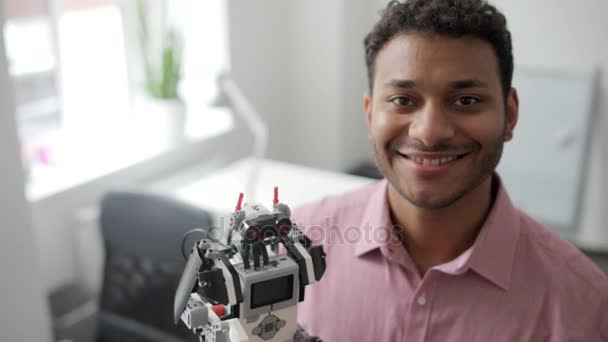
310 259
211 273
188 283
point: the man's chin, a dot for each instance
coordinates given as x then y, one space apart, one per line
429 196
426 201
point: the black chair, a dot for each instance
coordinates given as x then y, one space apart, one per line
143 264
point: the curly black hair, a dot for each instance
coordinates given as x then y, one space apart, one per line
453 18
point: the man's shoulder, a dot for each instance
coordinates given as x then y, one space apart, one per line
344 204
562 264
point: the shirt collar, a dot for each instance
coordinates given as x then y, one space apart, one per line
493 253
491 256
377 215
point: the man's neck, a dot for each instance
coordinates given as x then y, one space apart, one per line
436 236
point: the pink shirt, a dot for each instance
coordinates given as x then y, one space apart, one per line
519 281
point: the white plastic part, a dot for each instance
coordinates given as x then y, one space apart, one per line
236 333
309 264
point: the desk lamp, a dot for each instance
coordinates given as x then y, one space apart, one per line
230 96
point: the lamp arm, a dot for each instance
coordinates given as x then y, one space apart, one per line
255 124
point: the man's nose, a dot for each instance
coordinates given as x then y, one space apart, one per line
432 125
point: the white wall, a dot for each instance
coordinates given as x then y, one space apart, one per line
24 310
301 64
327 80
257 36
360 15
569 35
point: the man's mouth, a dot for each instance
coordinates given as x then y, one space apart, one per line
432 159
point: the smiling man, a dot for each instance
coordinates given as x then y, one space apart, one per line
436 251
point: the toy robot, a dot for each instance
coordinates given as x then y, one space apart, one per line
240 291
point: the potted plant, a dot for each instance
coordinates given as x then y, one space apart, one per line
161 49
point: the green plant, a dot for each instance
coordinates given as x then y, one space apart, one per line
162 73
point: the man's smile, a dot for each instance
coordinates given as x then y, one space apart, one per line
431 162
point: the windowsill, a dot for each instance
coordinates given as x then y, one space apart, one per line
102 130
75 162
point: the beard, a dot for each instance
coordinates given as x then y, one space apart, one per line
479 172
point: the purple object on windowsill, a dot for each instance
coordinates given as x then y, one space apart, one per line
43 155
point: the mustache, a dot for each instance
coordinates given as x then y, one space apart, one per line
417 145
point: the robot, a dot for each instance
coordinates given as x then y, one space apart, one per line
247 289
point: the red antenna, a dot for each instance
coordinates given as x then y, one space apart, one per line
276 196
238 204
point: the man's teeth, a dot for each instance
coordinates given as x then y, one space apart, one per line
432 161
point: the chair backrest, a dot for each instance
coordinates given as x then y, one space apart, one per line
142 235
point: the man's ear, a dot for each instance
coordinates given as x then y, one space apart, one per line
367 107
512 113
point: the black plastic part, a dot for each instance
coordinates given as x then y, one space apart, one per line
318 261
245 249
271 291
234 311
235 277
264 256
305 241
256 256
301 299
302 336
295 254
216 289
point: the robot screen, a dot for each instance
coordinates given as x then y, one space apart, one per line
271 291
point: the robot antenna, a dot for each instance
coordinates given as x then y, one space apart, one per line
239 202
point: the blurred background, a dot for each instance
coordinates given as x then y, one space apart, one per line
112 114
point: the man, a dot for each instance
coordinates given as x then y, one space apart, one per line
436 251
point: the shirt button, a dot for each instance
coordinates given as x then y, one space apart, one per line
421 300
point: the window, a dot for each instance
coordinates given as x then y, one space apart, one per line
32 53
77 70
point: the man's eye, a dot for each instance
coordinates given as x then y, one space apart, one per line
466 101
401 101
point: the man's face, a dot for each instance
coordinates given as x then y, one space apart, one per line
437 117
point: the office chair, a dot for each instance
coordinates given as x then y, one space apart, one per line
142 236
